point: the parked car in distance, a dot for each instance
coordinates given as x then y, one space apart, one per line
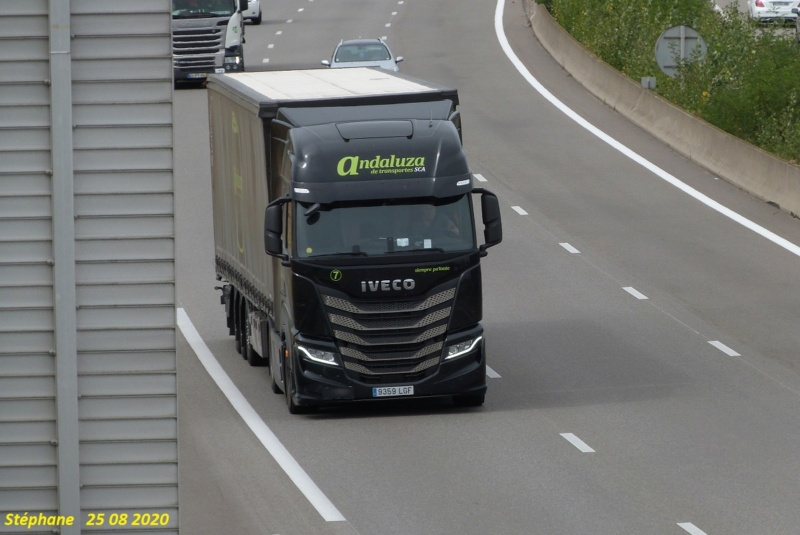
253 13
780 11
363 53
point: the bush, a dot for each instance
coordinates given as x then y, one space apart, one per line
748 84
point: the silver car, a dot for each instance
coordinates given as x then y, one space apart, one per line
363 53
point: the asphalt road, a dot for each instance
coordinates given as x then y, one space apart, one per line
646 347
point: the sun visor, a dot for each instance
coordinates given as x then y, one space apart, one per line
410 158
392 188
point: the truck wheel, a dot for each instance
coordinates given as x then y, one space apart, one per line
237 324
257 20
253 358
240 336
469 401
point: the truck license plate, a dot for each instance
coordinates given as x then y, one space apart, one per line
391 391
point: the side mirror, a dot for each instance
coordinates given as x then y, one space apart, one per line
273 228
492 225
242 5
398 59
326 62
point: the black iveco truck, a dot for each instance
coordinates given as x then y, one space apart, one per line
345 238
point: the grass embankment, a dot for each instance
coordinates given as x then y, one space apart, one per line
748 85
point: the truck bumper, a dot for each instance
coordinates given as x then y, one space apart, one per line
318 384
197 68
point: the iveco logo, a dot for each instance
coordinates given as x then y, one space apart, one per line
387 285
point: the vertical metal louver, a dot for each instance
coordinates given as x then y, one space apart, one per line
88 417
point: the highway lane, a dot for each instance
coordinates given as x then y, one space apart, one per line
684 435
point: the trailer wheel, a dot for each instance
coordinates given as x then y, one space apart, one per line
237 324
243 332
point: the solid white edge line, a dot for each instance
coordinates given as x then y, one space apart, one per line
501 37
491 373
634 292
725 349
578 443
281 455
569 248
691 528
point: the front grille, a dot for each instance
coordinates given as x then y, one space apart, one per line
372 324
369 340
391 340
373 371
197 40
195 49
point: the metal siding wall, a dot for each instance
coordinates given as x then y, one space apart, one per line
121 110
28 455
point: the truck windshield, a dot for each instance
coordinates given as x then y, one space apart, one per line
386 227
202 8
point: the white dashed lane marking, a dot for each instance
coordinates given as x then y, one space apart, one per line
578 443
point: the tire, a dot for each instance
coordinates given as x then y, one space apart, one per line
469 401
257 20
253 358
237 326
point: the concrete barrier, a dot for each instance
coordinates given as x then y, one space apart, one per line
738 162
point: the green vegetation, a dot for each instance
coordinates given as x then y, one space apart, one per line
748 85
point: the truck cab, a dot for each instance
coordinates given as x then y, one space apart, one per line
207 37
379 285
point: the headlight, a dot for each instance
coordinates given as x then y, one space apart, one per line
318 355
461 348
236 60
